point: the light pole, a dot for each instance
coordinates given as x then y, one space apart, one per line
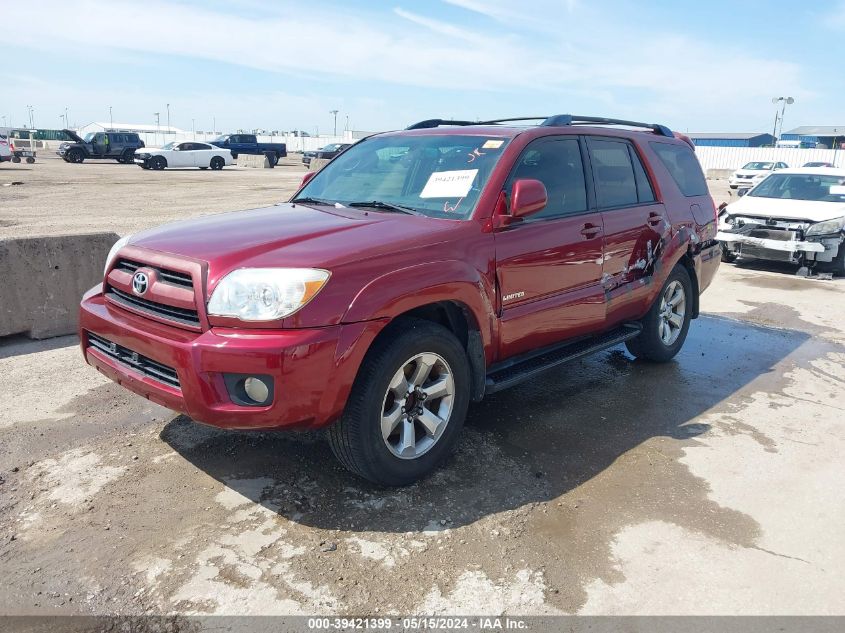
786 101
213 125
168 117
111 119
158 124
4 120
193 129
334 113
31 110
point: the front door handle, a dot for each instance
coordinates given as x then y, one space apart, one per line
655 218
590 230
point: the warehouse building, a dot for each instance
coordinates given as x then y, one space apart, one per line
732 139
821 136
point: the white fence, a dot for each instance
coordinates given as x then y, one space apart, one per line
294 143
736 157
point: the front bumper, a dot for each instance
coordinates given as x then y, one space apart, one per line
790 246
312 369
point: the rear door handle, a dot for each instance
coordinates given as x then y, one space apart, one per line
655 218
590 230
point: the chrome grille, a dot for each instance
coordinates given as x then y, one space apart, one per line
168 276
153 308
126 357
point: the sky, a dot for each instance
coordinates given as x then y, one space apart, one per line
284 65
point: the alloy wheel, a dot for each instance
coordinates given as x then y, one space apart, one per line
672 310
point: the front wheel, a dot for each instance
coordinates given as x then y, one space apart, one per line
158 163
407 407
667 322
30 160
75 156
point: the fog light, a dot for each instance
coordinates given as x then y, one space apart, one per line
256 389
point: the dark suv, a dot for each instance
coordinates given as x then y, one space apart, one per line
416 272
119 146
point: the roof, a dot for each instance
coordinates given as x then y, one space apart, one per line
819 130
727 135
137 127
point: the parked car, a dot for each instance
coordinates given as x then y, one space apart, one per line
752 173
248 144
119 146
819 164
184 154
5 149
388 294
329 151
795 215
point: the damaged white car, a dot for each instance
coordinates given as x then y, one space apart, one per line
794 215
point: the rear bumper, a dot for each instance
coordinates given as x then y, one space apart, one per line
312 369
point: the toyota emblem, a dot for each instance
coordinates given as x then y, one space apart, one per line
140 283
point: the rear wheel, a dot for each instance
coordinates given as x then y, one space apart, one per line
727 256
30 160
407 406
217 163
158 163
16 159
667 322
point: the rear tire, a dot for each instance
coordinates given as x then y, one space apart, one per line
217 163
666 325
16 159
415 366
30 160
727 256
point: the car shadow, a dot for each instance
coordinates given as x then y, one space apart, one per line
784 268
530 444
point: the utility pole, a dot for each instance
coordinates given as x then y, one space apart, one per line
193 129
111 119
214 125
334 113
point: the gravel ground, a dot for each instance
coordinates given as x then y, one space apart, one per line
708 485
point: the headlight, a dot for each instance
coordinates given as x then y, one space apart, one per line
826 227
265 294
113 252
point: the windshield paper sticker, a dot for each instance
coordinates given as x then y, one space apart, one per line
492 144
449 184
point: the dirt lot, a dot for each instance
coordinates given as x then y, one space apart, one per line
712 484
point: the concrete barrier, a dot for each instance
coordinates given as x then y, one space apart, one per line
253 160
719 174
317 164
42 280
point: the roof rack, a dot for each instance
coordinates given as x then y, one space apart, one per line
557 120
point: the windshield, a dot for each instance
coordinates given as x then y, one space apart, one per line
220 139
810 187
759 166
169 145
88 137
438 176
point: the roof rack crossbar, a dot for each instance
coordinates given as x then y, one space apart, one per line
430 123
573 119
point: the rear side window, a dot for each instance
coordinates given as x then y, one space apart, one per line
618 174
684 168
557 164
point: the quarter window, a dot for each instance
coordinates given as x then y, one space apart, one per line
683 167
557 164
613 174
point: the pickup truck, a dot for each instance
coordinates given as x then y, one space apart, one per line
415 273
248 144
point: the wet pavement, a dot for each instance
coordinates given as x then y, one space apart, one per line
711 484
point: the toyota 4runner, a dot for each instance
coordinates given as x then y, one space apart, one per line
415 273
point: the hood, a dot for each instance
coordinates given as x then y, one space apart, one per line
786 209
73 136
294 235
752 172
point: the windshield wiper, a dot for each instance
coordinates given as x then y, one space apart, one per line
379 204
308 199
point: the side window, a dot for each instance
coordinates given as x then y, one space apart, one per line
234 138
613 173
683 167
645 193
557 164
248 138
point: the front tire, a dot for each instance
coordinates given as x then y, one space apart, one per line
407 406
158 163
75 156
666 325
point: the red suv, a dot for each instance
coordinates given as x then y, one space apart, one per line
416 272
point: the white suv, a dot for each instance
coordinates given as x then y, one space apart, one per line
752 173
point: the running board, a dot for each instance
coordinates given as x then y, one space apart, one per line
512 372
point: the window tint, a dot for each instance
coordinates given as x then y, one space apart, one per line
557 164
616 184
684 168
200 146
644 191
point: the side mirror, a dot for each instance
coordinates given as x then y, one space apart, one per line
529 196
307 178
